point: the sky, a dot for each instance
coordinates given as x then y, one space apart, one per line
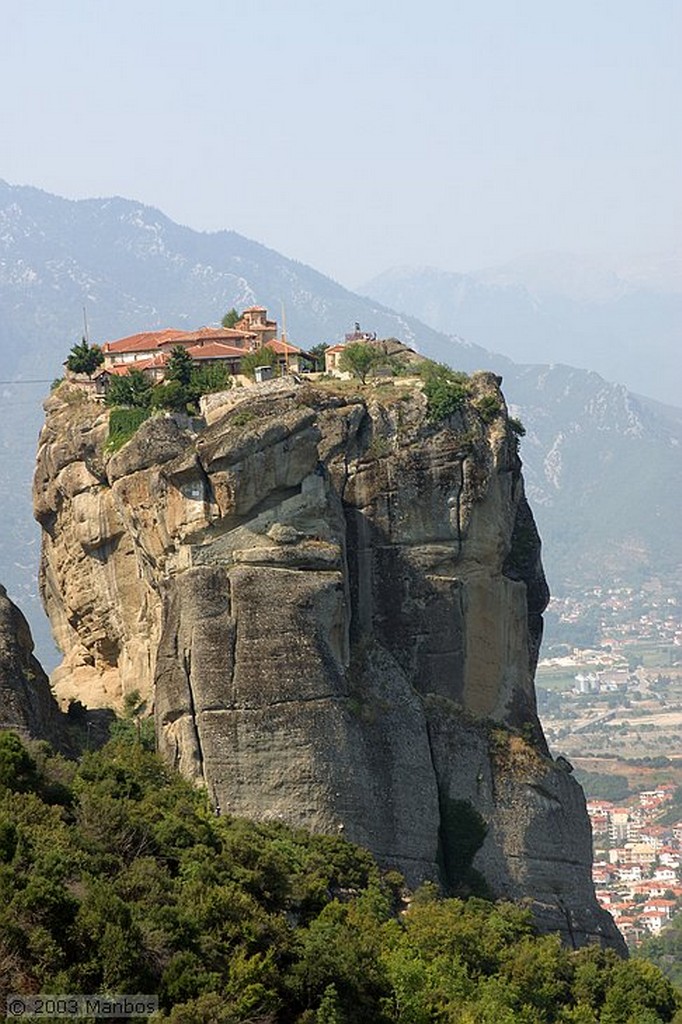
356 136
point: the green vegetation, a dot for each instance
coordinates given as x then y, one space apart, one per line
115 875
360 358
84 358
599 786
517 431
133 726
673 813
665 951
210 378
172 394
179 366
446 390
242 417
135 394
317 353
176 391
231 318
133 390
261 357
650 654
122 425
488 407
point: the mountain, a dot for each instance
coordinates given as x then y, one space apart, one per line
134 269
603 472
332 599
623 323
130 266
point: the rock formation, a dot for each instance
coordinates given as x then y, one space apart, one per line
335 606
27 705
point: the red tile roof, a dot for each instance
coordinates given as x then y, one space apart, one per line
145 342
215 350
123 369
221 334
282 347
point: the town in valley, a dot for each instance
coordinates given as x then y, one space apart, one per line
609 687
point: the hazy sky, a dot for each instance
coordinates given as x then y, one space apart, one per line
358 135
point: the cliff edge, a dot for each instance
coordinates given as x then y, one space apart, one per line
27 705
334 605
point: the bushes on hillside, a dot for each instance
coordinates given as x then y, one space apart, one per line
446 390
122 425
183 386
133 397
131 883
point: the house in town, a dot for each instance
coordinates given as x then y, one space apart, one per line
95 384
653 921
665 874
625 824
666 908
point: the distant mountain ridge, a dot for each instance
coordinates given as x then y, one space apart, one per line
133 269
557 308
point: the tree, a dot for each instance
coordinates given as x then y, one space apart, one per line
171 395
360 359
134 390
179 365
638 992
231 318
84 358
133 726
209 378
329 1010
260 357
317 352
17 767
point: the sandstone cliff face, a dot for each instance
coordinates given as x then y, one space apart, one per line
27 705
335 607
